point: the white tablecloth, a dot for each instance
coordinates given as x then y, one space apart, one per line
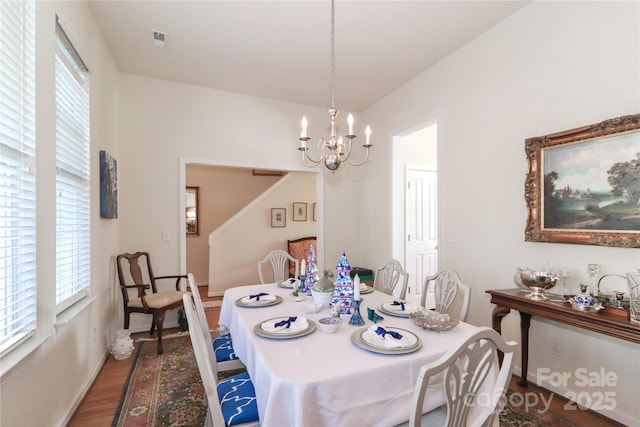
324 379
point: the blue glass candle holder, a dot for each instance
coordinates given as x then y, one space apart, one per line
356 319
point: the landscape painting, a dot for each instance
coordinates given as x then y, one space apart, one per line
593 185
583 185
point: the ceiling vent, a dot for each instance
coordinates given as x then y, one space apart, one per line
159 38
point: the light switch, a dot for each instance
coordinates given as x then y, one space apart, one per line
166 235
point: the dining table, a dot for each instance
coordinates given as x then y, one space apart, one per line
319 379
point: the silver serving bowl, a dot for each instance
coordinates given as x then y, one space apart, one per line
429 319
538 282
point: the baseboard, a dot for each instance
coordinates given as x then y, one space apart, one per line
83 391
563 392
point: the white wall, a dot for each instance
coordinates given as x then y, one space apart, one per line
164 123
550 67
236 247
43 389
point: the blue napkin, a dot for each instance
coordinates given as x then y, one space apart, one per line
286 322
373 316
257 296
382 332
400 303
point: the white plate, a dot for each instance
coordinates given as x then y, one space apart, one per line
257 329
261 303
408 339
367 290
288 284
357 340
396 310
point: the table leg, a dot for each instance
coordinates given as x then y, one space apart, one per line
525 322
496 323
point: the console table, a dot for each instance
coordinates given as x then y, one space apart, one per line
560 311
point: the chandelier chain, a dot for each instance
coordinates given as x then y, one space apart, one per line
333 56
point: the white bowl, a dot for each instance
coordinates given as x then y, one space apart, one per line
300 297
329 325
322 298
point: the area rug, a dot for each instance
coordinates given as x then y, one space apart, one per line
162 389
515 414
212 304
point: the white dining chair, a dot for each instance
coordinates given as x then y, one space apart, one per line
391 279
279 261
222 345
465 368
446 287
230 402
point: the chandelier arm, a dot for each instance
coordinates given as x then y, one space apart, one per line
306 157
366 157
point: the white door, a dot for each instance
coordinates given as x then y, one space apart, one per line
421 226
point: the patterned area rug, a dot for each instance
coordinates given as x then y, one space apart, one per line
515 415
162 390
212 304
166 390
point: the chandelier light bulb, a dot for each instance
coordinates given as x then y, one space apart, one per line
303 134
350 121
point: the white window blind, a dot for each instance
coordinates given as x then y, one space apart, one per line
73 257
17 176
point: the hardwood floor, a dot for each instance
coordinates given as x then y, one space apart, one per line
101 402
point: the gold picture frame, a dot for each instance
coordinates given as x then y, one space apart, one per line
566 185
191 210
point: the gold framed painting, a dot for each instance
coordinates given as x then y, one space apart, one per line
583 185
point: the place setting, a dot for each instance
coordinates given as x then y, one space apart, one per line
399 308
289 283
365 289
285 327
389 340
261 299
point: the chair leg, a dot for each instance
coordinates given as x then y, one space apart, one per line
159 321
126 319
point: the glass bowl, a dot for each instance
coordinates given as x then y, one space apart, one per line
432 320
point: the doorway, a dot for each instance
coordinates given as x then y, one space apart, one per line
415 196
219 211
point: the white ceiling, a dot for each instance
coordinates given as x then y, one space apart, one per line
281 49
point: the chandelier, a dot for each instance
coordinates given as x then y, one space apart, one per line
337 148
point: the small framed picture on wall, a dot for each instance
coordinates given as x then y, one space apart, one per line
299 211
278 217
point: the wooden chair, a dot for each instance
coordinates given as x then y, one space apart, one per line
465 368
299 249
135 272
231 401
222 345
446 285
279 260
391 279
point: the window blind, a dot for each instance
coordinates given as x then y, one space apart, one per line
17 176
73 251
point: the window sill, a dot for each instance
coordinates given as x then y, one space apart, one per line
66 316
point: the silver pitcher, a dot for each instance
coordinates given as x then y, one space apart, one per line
634 296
